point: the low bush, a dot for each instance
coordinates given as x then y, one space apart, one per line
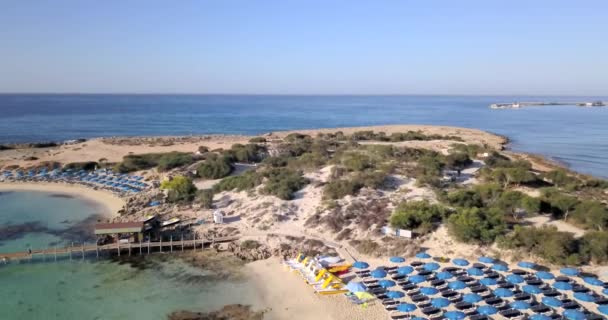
76 166
245 181
216 168
420 216
205 198
283 183
164 161
181 189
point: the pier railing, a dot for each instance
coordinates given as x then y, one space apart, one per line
80 251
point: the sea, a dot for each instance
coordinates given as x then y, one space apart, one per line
574 136
64 288
88 288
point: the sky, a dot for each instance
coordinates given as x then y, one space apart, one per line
541 47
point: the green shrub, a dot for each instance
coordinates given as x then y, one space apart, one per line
76 166
180 189
245 181
164 161
547 242
355 161
283 183
594 247
591 215
338 189
477 225
205 198
249 153
417 215
214 168
257 140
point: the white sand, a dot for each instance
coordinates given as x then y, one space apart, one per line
289 297
107 200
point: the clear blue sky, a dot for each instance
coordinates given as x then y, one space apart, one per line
308 46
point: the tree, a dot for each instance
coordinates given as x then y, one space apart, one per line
510 201
457 160
558 177
180 189
465 198
205 198
419 215
564 203
594 246
530 204
591 214
476 225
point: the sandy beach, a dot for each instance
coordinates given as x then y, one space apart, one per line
104 199
289 297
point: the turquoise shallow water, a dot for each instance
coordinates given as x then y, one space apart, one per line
104 289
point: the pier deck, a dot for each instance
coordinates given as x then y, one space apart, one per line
118 248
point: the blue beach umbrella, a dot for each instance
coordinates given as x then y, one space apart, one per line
572 314
526 264
475 272
354 286
487 310
431 266
428 291
406 307
605 291
395 294
593 281
545 275
531 289
582 296
386 283
405 270
444 275
417 279
503 293
454 315
514 279
488 281
422 255
486 260
396 259
520 305
603 309
460 262
457 285
471 298
570 271
360 265
539 316
500 267
562 286
378 273
552 302
440 302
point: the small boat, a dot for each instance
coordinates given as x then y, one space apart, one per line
169 222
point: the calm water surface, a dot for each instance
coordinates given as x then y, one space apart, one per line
90 289
576 136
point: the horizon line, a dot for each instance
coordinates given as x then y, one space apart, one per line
302 94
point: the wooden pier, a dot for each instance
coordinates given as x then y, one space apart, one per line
80 251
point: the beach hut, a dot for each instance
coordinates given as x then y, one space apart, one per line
134 229
218 217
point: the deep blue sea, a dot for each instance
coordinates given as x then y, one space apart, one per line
573 135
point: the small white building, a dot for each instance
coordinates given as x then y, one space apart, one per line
218 216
